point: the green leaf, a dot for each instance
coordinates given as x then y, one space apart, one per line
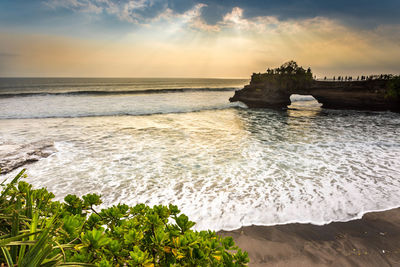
4 241
91 200
7 256
11 184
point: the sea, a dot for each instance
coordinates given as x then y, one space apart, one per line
180 141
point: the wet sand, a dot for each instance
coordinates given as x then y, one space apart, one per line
373 240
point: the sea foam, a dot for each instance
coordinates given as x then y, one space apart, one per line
225 168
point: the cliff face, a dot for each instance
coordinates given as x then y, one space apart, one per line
360 95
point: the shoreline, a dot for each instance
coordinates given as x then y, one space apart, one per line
373 240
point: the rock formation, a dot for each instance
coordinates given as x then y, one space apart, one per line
273 90
13 156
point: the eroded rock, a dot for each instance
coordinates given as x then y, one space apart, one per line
13 156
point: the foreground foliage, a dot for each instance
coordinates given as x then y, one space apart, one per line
37 231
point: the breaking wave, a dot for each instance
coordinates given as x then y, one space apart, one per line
116 92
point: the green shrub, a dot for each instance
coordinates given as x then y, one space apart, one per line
37 231
393 88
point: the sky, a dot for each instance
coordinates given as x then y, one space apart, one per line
191 38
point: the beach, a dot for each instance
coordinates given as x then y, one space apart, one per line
373 240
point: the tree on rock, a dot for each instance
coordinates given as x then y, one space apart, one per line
288 76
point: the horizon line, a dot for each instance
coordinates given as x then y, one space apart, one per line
117 77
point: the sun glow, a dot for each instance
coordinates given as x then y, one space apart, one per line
183 45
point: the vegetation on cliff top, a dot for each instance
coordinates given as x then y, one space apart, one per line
288 76
393 88
37 231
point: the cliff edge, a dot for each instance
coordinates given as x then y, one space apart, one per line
274 88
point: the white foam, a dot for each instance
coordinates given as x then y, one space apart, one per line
67 106
225 168
297 98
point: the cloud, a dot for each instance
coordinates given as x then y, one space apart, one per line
235 19
236 47
130 11
133 11
191 18
212 16
361 13
78 5
172 42
143 12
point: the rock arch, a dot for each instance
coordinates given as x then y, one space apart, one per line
359 95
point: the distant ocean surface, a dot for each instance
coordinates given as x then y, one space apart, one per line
160 141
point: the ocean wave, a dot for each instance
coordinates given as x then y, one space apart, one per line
298 98
67 106
119 92
123 113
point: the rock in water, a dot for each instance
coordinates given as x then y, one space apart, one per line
274 88
13 156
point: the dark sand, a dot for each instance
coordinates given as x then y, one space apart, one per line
373 240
